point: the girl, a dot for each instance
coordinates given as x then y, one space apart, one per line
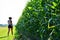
10 25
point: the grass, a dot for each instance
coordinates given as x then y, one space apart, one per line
3 34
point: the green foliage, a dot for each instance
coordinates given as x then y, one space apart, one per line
40 20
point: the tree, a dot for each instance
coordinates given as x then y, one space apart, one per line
40 20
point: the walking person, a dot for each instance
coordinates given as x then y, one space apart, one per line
10 26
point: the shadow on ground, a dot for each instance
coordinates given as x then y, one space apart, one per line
3 37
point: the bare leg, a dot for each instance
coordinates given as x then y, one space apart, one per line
12 31
8 31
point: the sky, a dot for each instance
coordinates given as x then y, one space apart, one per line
11 8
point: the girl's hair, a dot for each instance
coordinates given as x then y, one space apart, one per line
10 17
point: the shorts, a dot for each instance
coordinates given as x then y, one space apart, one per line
10 26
